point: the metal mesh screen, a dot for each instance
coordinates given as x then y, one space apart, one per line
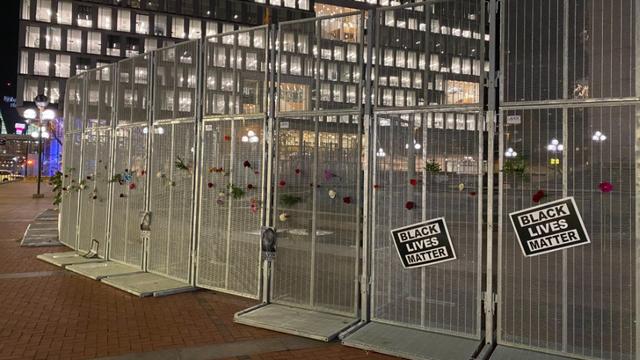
132 90
71 171
231 206
236 72
171 196
175 80
128 195
429 54
86 188
427 168
74 101
317 212
100 88
600 50
319 63
580 301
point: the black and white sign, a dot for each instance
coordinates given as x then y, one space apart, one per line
549 227
268 240
424 244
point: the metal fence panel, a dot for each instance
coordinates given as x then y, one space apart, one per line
100 99
128 194
599 49
428 55
319 63
425 168
580 301
74 102
86 184
172 164
132 90
173 160
231 206
71 178
316 212
233 162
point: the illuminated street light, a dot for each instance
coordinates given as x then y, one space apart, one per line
48 114
251 137
30 114
381 153
510 153
599 137
555 146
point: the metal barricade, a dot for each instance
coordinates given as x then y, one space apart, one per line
74 113
233 162
96 161
569 129
172 158
130 161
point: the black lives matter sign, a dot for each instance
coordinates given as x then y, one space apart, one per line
423 244
549 227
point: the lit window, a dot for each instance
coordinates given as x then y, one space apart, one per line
30 89
43 10
290 3
85 18
26 9
41 64
94 43
32 37
225 29
24 62
52 90
74 40
303 4
150 44
160 26
142 24
104 18
177 28
64 14
53 38
195 29
212 28
124 20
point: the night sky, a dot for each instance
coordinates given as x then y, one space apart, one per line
9 15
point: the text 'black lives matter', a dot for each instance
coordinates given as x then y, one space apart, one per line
553 226
424 244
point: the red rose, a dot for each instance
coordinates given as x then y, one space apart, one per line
282 183
250 186
210 185
413 182
409 205
132 186
473 193
538 196
376 186
227 138
346 199
246 164
298 171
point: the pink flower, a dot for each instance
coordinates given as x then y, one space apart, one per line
328 175
605 187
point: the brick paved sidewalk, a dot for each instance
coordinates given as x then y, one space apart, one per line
48 313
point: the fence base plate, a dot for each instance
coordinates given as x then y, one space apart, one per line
296 321
64 259
147 284
509 353
99 270
411 343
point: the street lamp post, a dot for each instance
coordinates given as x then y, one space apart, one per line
41 115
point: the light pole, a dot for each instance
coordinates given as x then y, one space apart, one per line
41 115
